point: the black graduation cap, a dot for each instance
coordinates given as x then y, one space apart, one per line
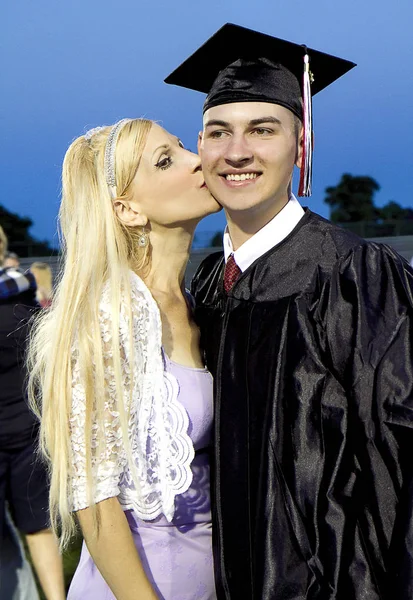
206 69
238 64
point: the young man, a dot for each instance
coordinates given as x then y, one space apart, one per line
307 330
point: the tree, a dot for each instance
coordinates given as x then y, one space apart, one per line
392 211
20 241
352 199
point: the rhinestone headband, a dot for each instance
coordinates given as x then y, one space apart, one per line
110 150
92 132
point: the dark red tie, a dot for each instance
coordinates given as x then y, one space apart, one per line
231 273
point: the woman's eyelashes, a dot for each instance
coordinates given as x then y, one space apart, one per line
164 162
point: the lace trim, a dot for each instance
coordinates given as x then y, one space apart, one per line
161 448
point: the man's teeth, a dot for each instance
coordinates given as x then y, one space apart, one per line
241 176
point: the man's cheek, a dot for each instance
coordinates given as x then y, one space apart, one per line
209 157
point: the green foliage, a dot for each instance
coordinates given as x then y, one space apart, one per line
70 559
20 240
352 199
394 212
352 206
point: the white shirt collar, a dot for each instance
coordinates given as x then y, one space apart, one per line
266 238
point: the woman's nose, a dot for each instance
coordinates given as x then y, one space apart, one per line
196 165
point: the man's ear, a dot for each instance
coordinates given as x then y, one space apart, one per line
299 155
199 141
128 216
299 151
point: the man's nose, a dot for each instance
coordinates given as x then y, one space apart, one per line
238 152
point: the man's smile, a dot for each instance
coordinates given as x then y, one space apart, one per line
240 178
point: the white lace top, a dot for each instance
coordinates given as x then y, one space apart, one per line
162 450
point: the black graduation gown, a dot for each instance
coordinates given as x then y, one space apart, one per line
313 364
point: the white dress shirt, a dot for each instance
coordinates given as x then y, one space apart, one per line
266 238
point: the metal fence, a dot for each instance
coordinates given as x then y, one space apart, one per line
387 228
195 259
402 244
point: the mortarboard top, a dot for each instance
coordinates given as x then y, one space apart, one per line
231 43
238 64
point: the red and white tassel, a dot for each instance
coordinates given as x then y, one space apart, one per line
304 188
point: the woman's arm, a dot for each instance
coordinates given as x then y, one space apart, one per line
114 552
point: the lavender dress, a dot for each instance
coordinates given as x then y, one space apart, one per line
177 556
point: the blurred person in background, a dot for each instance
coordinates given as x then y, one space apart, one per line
23 478
12 260
16 575
44 281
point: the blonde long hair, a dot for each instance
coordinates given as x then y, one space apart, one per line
97 248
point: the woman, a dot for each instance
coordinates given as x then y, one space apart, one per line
126 400
44 281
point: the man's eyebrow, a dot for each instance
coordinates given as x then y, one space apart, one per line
217 123
261 120
252 123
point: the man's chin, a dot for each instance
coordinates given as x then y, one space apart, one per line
234 200
240 207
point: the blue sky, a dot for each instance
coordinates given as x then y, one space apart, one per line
68 66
